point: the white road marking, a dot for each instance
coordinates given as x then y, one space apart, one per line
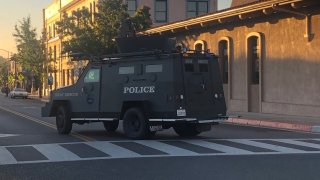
169 149
30 107
219 147
267 146
8 135
6 157
112 149
57 153
54 152
300 143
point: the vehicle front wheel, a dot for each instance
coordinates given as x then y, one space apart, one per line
186 130
111 126
63 120
135 124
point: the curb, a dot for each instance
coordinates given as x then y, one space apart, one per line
39 99
275 124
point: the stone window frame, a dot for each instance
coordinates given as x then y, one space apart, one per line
158 11
203 45
229 52
261 48
132 12
197 4
230 63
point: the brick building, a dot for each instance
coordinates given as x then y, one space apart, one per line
268 51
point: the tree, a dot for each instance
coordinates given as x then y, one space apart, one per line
78 34
142 19
111 14
94 34
3 73
30 49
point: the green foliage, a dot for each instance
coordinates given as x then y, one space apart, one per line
2 60
30 50
142 19
111 14
94 34
3 74
77 31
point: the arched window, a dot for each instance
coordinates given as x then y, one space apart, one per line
224 60
254 58
200 45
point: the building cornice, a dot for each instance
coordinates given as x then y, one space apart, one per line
239 13
72 3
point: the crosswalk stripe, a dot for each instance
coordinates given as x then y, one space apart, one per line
267 146
54 152
6 157
219 147
169 149
295 142
112 149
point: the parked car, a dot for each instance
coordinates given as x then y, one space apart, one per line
18 92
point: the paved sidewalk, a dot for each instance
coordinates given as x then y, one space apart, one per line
287 122
36 96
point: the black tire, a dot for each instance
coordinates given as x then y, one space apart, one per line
186 130
63 120
135 124
111 126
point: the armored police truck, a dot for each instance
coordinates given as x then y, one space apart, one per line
149 89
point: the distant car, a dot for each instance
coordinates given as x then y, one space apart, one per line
18 92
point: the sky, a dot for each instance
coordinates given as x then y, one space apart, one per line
13 11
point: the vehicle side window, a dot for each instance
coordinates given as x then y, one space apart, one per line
189 67
154 68
92 76
126 70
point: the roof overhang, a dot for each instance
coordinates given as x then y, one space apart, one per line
263 8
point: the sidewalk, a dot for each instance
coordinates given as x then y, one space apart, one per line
287 122
36 97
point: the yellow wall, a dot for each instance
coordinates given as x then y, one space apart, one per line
63 71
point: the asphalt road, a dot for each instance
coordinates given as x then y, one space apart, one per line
30 148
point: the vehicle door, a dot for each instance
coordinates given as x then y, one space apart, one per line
203 87
89 99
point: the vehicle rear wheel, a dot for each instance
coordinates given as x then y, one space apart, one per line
111 126
135 124
186 130
63 120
